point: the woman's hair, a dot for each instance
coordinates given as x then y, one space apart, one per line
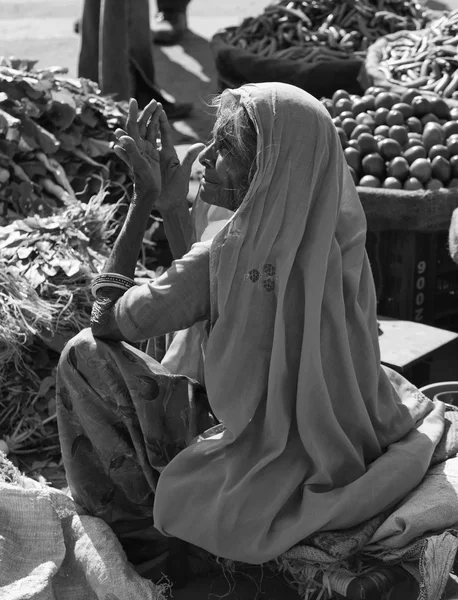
234 126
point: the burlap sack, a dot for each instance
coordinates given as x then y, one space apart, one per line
236 67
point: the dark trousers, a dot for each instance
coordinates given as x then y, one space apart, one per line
116 49
172 6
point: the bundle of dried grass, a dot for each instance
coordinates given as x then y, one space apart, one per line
46 270
23 315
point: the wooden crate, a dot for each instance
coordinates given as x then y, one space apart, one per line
414 275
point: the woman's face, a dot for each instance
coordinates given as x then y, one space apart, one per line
223 176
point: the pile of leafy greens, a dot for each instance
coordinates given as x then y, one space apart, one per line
56 140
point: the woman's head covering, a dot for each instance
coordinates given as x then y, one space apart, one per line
292 365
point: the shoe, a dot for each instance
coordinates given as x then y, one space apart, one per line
169 28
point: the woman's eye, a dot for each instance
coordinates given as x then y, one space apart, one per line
223 146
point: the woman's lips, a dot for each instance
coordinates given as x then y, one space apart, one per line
208 180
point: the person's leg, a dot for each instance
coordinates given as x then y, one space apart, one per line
88 63
116 52
172 6
170 23
114 57
142 63
122 417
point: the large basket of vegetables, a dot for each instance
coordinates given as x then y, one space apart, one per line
318 45
402 151
424 60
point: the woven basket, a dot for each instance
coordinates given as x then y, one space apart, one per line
402 210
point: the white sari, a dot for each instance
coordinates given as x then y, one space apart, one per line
316 435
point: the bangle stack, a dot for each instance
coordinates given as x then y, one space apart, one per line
113 280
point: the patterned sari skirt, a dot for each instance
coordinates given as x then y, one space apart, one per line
122 417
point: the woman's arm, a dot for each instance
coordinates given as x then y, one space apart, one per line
138 149
179 229
176 300
127 247
122 260
173 203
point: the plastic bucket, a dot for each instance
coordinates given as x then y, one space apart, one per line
447 397
445 391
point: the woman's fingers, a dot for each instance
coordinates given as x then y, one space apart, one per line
128 151
166 133
132 121
120 132
152 128
145 116
122 154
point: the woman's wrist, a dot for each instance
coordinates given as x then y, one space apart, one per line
171 206
145 190
178 229
127 247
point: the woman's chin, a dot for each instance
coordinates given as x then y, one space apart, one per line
210 194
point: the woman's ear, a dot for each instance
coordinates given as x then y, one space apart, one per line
453 236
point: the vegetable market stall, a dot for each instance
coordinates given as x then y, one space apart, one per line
402 151
318 45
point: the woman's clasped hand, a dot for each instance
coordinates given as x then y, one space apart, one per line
147 147
138 145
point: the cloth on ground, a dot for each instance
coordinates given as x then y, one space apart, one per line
51 550
420 534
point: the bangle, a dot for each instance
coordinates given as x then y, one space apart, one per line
97 286
111 280
114 276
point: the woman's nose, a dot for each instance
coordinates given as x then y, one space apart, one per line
206 158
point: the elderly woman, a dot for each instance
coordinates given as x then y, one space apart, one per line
292 426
